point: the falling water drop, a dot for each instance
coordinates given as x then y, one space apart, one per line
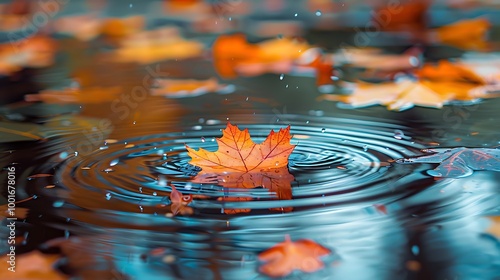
323 130
282 76
296 14
155 194
108 196
365 148
318 13
114 162
203 139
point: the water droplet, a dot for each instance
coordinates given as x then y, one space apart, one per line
58 203
286 86
140 208
155 194
365 148
296 14
318 13
213 139
108 170
230 18
110 141
334 78
246 99
164 157
50 186
63 155
398 134
282 76
276 163
103 148
114 162
129 146
188 186
323 130
108 196
203 139
140 189
197 127
134 122
130 6
307 121
212 122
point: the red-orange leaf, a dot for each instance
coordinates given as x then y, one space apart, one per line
179 202
238 153
287 256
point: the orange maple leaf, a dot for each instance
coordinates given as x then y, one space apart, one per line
285 257
446 71
237 152
464 34
233 55
438 85
240 163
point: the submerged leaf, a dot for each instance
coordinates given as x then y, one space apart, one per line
458 162
285 257
179 203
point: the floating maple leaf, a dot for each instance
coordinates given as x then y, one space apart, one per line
445 71
458 162
37 51
469 34
374 59
237 151
177 88
179 203
233 55
156 45
439 85
285 257
240 163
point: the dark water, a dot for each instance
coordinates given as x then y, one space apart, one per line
112 168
